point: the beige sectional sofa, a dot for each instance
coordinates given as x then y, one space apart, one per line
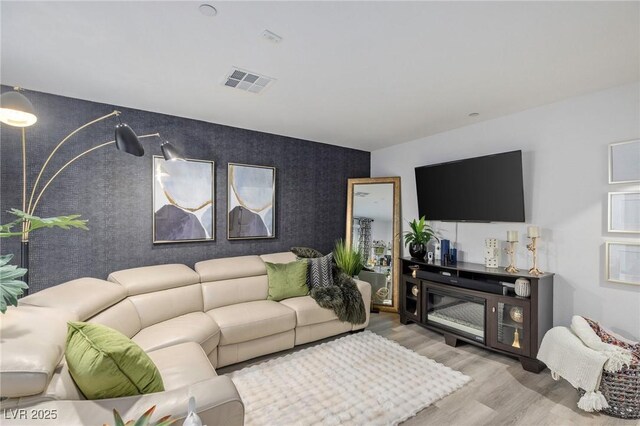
189 322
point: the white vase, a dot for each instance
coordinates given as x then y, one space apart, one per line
523 287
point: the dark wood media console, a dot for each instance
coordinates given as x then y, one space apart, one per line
468 302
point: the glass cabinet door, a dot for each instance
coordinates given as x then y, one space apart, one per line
510 320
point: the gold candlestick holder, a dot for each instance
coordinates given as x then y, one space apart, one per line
533 249
511 251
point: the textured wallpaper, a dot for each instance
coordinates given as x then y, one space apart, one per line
113 190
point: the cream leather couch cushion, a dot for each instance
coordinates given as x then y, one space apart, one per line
163 305
122 316
235 290
33 340
196 327
182 365
154 278
230 267
85 297
308 311
252 320
283 257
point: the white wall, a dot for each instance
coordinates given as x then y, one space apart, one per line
564 149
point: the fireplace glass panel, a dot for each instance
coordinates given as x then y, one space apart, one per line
461 314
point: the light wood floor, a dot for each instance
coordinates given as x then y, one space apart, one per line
500 393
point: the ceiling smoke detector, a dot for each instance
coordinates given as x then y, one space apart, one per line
248 81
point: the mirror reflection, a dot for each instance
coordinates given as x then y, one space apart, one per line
373 221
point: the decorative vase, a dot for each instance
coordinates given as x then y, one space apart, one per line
523 287
418 250
414 290
516 314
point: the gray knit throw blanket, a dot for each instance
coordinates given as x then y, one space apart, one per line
343 297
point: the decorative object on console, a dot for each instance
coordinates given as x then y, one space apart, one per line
491 252
624 158
251 201
516 339
429 257
415 290
624 212
523 287
418 237
414 270
533 232
516 314
437 251
377 369
512 241
16 110
453 255
444 251
183 201
623 262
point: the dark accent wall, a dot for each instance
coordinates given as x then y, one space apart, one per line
113 190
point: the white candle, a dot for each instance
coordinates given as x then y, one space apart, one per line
533 232
512 236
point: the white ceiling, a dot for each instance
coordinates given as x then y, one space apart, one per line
358 74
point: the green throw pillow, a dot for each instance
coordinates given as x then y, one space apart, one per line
105 363
287 280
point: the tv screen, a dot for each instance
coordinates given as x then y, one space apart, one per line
481 189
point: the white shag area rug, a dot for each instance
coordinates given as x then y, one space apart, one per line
360 379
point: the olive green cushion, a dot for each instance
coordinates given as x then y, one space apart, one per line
287 280
105 363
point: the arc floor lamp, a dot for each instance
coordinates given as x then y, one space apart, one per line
16 110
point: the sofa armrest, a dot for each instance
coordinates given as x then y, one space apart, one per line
217 402
365 290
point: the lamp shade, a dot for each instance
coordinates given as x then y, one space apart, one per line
170 152
127 141
16 110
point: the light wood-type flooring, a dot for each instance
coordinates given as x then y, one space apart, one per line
500 393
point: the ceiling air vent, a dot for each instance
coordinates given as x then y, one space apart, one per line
247 80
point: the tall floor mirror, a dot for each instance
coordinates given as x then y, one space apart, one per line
373 229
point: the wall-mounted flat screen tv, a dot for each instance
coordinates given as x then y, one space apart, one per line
480 189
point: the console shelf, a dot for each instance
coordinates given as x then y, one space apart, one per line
468 302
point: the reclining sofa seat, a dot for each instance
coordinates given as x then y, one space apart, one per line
235 293
189 322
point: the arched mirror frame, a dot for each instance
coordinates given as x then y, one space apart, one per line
396 240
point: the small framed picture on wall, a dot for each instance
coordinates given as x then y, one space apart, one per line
624 162
251 202
623 262
624 211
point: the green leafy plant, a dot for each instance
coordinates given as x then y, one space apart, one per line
35 222
420 233
347 259
10 286
144 420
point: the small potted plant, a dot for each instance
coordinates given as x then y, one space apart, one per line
418 238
